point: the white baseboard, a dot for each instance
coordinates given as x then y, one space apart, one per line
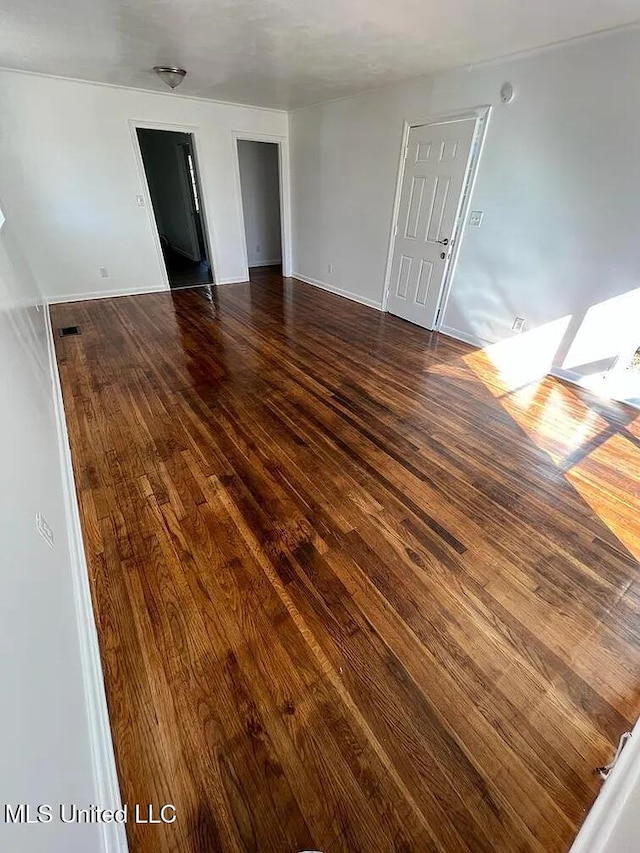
567 375
339 291
105 294
557 372
587 382
612 802
265 264
231 280
104 764
465 337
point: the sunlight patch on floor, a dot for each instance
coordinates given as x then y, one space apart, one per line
617 462
586 447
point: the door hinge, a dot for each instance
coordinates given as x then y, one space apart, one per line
438 313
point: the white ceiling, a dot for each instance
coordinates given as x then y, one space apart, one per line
284 53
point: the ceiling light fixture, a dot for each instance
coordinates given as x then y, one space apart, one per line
170 75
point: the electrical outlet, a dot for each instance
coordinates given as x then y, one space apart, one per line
104 272
44 530
475 218
140 200
518 324
330 269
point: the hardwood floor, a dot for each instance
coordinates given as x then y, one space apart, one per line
353 592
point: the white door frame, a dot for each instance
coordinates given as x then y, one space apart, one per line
205 209
481 115
285 208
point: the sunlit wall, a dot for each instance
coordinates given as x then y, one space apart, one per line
559 183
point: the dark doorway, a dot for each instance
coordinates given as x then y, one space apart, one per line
174 186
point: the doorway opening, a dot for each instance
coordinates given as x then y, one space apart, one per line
174 187
259 168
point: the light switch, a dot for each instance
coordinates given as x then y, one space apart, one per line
475 218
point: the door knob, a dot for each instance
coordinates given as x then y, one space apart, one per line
443 255
444 242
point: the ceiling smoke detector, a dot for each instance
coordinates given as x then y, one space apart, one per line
507 93
170 75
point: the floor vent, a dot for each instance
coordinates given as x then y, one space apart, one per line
65 331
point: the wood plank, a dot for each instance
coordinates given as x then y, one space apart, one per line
352 591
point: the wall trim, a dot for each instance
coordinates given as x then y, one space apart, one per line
233 280
175 95
103 757
284 175
612 799
110 294
557 372
265 264
206 208
567 375
525 53
339 291
582 382
106 294
465 337
530 52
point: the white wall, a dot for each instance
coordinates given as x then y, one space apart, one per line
260 181
344 161
559 183
626 829
44 738
74 179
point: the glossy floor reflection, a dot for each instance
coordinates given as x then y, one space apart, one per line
352 591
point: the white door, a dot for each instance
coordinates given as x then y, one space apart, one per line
436 163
